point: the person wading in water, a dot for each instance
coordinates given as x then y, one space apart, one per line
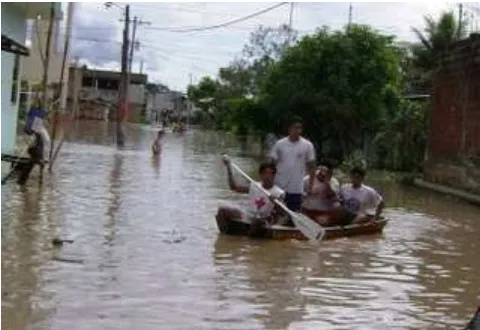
158 143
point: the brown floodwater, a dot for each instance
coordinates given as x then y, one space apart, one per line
147 253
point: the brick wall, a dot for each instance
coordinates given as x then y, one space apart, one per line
455 122
454 132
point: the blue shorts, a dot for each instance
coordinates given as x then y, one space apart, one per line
293 201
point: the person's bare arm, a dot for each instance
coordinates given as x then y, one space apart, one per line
277 209
378 202
273 156
233 185
330 192
379 209
310 165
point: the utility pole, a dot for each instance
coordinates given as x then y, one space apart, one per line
189 107
141 66
290 17
460 21
134 43
123 88
47 56
61 86
77 81
290 23
350 12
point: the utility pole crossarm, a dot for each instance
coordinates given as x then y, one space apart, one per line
134 43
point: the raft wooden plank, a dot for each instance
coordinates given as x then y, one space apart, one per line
241 227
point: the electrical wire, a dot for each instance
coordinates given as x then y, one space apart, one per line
217 26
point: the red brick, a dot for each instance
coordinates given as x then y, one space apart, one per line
458 70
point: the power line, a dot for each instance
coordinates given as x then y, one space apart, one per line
204 28
159 51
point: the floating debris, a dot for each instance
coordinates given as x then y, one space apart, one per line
69 260
59 242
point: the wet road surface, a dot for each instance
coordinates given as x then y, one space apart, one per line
147 253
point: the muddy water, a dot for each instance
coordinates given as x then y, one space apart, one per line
147 253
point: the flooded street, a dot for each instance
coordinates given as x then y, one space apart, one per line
147 253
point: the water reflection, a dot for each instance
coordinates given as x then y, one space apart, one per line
114 190
154 259
25 237
266 275
156 161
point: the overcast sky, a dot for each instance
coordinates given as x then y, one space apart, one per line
170 57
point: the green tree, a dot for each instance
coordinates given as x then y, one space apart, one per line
401 141
244 76
266 46
238 84
205 93
435 39
339 82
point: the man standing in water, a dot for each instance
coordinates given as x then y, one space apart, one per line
293 155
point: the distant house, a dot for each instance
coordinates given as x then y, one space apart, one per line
98 91
14 18
158 103
163 102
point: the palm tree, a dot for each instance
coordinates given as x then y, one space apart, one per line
436 38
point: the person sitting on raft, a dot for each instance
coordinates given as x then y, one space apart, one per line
261 209
321 200
157 144
360 203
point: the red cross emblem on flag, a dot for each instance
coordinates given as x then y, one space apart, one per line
260 202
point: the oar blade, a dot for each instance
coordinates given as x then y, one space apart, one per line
312 230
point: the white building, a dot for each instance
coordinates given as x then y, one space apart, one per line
163 102
14 19
98 91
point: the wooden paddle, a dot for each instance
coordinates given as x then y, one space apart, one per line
309 228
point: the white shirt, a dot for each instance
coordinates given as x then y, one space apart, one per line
291 158
363 200
335 185
39 127
259 205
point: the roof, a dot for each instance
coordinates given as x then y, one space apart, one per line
135 78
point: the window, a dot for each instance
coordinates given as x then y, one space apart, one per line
15 82
87 82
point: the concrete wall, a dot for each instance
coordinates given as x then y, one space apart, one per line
33 65
14 26
454 134
93 101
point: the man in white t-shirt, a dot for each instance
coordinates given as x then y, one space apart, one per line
360 203
293 155
260 208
